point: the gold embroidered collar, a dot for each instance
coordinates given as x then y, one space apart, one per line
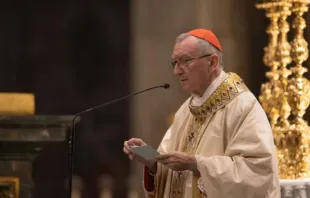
232 86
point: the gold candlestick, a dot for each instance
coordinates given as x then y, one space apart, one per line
287 90
274 92
298 138
283 55
269 90
299 86
281 128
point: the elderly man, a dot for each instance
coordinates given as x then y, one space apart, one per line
220 144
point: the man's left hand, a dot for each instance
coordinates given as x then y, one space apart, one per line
178 161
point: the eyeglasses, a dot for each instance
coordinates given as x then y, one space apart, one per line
184 63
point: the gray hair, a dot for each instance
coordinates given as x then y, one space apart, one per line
205 46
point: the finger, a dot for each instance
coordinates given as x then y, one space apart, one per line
163 156
131 157
129 154
136 141
165 161
126 145
126 151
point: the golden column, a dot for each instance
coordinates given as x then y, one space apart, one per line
285 97
281 128
270 90
298 137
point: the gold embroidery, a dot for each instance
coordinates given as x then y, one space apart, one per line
231 87
226 92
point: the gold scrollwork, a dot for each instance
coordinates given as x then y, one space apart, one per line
286 96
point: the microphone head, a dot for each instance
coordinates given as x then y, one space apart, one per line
166 86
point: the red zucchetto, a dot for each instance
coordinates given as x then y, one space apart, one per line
207 35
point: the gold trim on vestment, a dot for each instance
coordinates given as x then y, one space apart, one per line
231 87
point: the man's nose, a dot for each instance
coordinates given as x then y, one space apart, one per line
177 70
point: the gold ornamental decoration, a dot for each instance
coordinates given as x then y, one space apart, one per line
299 92
286 96
9 187
270 90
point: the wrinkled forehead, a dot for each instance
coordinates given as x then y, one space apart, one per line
188 47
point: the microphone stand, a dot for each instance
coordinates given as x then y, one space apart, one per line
72 134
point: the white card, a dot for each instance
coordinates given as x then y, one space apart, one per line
147 152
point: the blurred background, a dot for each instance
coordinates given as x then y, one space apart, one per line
72 55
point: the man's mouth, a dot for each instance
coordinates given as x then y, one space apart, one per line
183 80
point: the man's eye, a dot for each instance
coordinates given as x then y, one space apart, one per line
173 63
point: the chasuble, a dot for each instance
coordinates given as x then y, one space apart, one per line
231 138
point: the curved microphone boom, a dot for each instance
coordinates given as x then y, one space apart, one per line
72 134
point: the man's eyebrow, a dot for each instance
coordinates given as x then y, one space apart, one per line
181 56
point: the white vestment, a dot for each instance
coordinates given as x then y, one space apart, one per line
231 138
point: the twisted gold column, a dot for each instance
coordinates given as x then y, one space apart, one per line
270 90
277 57
281 128
298 138
284 58
286 96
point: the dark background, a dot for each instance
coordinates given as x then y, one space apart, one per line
72 55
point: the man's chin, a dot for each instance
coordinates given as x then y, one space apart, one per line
186 88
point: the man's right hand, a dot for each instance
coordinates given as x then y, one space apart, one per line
130 143
138 142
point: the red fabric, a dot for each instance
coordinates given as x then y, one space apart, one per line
198 174
207 35
148 181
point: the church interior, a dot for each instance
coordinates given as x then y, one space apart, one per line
59 58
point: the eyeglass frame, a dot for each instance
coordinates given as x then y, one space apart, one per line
173 63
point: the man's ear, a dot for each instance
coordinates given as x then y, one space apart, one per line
214 61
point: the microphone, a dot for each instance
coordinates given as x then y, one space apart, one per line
72 134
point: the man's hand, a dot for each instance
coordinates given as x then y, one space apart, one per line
130 143
152 165
178 161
